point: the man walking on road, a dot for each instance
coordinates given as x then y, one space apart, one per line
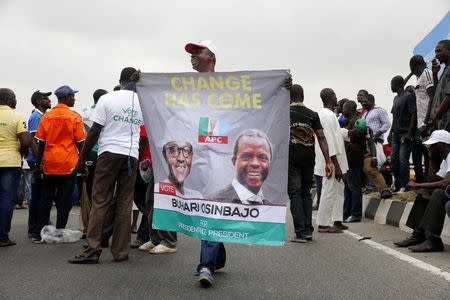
213 255
305 126
117 118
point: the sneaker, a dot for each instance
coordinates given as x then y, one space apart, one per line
6 243
205 277
37 240
299 239
161 249
352 219
147 246
309 235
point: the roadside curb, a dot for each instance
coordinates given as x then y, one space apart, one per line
394 212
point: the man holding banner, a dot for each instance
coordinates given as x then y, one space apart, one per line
209 111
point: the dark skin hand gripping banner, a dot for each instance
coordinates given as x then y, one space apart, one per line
220 153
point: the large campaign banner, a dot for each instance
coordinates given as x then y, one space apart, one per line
219 144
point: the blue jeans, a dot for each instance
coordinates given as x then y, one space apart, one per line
9 187
353 194
36 185
400 153
212 256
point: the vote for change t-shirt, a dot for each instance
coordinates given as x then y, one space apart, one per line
120 115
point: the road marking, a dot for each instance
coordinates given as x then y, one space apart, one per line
411 260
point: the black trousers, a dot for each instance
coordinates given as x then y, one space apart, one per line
140 190
58 188
428 212
300 179
92 156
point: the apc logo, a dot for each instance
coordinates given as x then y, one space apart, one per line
212 131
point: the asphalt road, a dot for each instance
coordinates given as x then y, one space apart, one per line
333 266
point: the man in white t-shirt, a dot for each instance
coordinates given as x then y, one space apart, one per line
330 213
117 118
424 91
428 212
87 115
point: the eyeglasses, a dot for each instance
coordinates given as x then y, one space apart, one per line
174 151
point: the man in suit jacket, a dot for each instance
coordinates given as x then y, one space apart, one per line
251 158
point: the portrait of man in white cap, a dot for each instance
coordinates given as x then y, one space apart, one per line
179 155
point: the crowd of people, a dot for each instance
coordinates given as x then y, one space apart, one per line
340 149
349 154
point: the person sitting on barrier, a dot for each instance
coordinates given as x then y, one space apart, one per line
427 215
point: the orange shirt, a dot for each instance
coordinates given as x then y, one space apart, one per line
61 129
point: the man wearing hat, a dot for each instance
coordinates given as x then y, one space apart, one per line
41 103
427 215
116 126
60 136
213 255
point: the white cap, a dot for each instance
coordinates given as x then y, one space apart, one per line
438 136
178 130
202 44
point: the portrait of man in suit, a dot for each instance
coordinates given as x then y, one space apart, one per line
252 155
178 155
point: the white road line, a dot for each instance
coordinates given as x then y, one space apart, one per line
411 260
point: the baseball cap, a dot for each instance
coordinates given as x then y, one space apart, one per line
360 125
202 44
438 136
64 91
38 95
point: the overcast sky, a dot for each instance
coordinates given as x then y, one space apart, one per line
343 44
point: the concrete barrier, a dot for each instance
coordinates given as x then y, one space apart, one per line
395 212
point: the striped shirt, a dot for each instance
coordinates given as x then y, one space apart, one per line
424 81
378 120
